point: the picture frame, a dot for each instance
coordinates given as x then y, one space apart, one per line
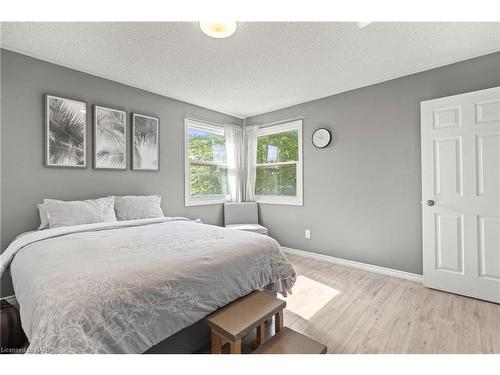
65 132
110 138
145 142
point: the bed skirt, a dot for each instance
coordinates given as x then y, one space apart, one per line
188 340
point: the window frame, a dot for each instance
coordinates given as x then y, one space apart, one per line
209 199
296 200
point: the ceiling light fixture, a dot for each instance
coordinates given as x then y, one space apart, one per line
362 25
218 29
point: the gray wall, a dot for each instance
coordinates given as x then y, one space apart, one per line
362 193
24 179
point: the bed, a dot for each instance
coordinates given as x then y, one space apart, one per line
124 287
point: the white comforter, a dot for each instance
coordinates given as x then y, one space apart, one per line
123 287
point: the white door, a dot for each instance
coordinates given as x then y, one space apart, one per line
461 193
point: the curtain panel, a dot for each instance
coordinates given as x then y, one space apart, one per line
241 158
250 145
235 162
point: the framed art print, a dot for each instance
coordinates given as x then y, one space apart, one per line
65 132
145 142
110 138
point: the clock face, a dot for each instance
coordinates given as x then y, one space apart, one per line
321 138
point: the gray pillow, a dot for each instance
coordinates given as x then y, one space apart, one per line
44 220
132 207
60 213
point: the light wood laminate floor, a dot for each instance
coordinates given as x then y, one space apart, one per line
355 311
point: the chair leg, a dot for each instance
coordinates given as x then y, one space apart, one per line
235 347
261 334
278 321
216 343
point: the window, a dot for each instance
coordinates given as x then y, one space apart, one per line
205 164
279 164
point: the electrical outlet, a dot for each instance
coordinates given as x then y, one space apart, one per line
307 234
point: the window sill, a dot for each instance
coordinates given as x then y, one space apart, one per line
189 202
273 199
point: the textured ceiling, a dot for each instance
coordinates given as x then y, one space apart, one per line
262 67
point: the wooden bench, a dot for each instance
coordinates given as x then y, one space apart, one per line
287 341
232 322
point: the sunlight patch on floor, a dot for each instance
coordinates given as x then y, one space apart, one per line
309 297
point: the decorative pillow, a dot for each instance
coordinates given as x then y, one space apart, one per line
44 221
132 207
89 211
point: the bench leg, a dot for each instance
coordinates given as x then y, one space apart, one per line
235 347
261 334
278 321
216 343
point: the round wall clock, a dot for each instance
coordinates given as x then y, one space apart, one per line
321 138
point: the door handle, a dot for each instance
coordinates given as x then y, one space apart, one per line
430 203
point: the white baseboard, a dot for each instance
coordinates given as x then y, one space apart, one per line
351 263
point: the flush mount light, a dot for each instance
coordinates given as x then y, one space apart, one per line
218 29
362 25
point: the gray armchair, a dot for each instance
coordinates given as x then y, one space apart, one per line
243 216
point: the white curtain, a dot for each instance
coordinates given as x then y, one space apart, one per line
250 142
235 153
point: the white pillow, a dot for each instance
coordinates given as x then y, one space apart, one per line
44 221
132 207
89 211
